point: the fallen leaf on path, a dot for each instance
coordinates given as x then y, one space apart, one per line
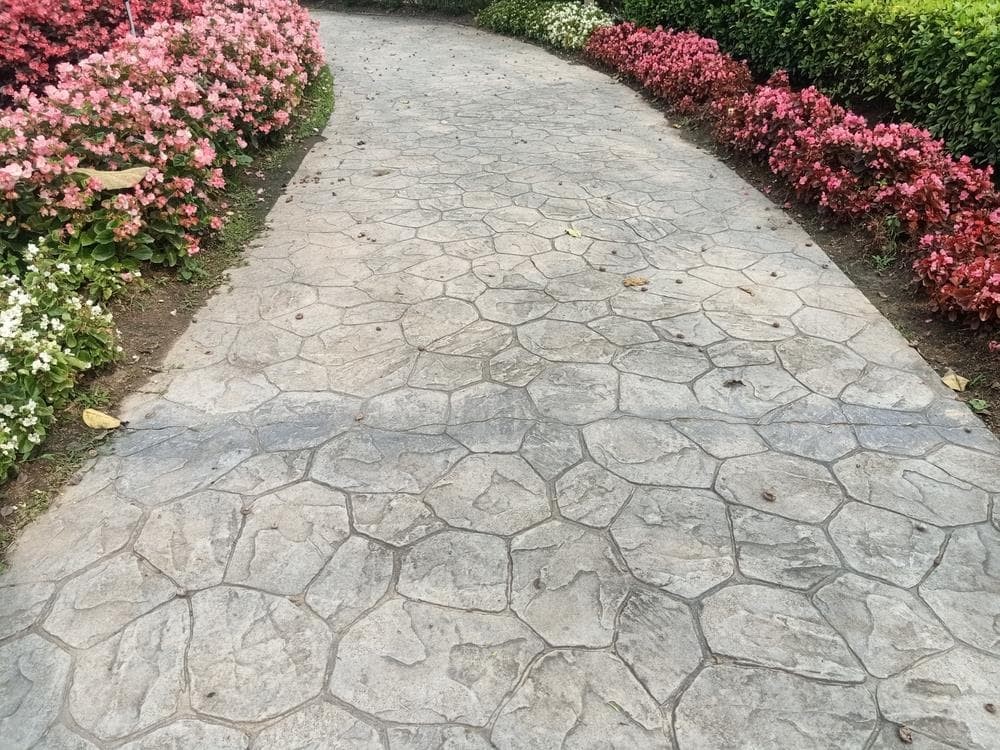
121 179
905 735
635 281
572 232
954 381
98 420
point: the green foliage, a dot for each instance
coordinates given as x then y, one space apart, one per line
49 335
451 7
565 24
936 62
515 17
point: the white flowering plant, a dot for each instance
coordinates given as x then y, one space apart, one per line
565 24
568 25
49 335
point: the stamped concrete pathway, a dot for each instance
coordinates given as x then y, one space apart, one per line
429 475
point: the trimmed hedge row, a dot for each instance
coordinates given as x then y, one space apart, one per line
935 61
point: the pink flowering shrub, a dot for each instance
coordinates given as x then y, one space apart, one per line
39 34
961 265
834 157
683 68
187 100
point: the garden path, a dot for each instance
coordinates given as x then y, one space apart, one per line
430 474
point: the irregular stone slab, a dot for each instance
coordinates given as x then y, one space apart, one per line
657 399
294 421
321 725
785 485
33 673
886 388
551 448
357 576
97 603
70 537
648 452
821 442
444 371
624 331
134 679
567 584
747 391
60 738
221 389
694 328
480 339
408 409
437 738
677 539
253 656
497 494
366 460
729 706
516 366
264 472
395 519
676 363
490 418
288 536
575 394
427 322
457 569
191 733
514 306
774 549
889 629
886 545
563 341
22 604
191 460
591 494
822 366
722 439
776 628
944 698
964 590
190 539
970 466
581 699
657 639
413 662
912 487
888 739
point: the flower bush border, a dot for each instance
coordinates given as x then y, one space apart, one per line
948 208
186 103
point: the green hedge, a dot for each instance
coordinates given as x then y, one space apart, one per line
937 62
454 7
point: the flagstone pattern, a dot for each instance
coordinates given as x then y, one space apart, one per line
428 474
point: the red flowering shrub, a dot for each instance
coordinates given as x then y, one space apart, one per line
681 67
833 157
961 268
39 34
186 100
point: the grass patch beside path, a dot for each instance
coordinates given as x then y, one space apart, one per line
151 317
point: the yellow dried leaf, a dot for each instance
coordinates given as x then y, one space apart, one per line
98 420
573 232
635 281
121 179
954 381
